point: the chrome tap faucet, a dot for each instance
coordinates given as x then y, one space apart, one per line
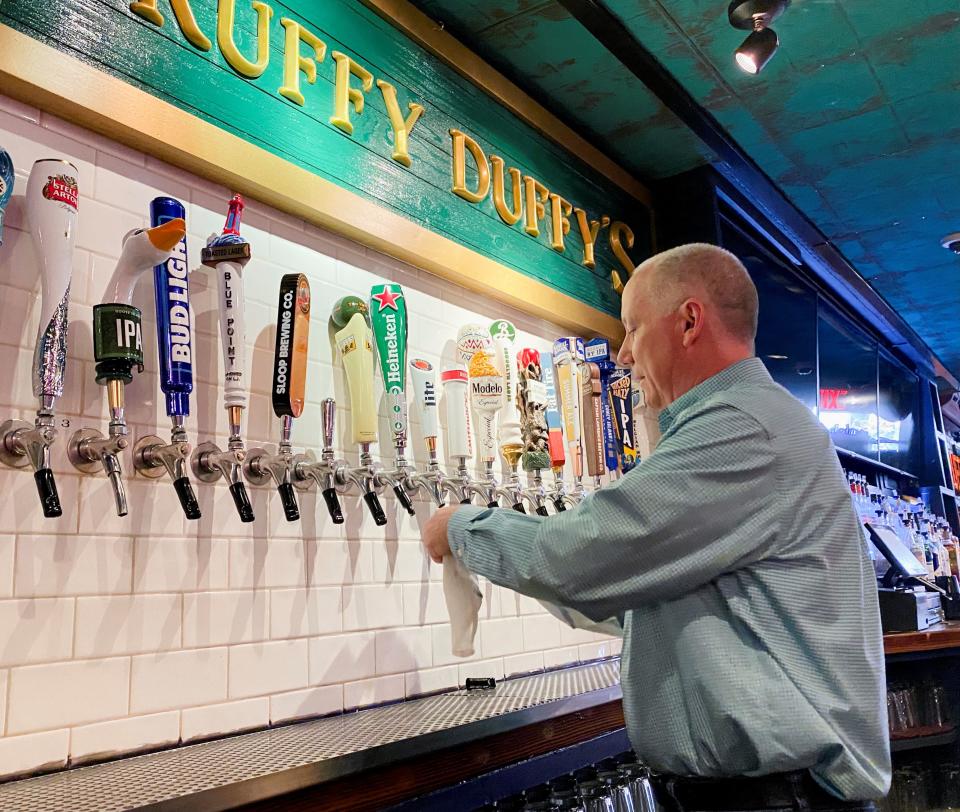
89 451
22 444
259 467
152 457
209 463
329 472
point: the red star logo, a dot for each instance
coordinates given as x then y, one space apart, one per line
387 298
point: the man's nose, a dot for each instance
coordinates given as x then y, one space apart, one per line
623 356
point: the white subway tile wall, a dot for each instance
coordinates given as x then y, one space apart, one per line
125 634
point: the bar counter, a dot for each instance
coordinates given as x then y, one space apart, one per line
937 638
414 747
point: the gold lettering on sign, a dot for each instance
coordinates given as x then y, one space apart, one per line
461 145
401 127
621 233
184 16
509 216
588 232
344 95
560 224
535 194
226 12
294 62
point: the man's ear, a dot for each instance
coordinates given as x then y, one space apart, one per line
691 317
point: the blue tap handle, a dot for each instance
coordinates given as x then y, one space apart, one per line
172 297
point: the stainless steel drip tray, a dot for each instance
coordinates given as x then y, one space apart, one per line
229 772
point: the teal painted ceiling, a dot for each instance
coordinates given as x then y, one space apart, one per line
856 119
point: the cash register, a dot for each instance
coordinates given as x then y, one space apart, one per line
903 606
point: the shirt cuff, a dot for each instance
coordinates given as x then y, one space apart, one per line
457 527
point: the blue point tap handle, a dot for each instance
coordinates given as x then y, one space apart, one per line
172 297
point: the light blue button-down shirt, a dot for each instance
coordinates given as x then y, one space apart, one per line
734 561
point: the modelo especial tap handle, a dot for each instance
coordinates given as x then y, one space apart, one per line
227 254
175 354
621 406
354 341
51 208
388 317
486 396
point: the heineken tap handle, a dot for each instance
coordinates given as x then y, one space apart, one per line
388 315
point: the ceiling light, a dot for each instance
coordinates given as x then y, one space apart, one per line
952 242
762 42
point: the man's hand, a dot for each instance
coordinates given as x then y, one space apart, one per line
434 534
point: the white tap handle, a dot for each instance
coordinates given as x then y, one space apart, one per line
232 333
510 434
425 396
567 355
454 383
355 344
51 207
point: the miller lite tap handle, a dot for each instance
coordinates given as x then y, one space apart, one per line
621 405
290 352
567 357
425 398
592 420
51 208
354 341
172 299
388 314
227 254
6 185
533 404
328 416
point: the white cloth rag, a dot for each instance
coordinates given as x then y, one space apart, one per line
463 596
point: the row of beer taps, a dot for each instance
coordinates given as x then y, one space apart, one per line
534 408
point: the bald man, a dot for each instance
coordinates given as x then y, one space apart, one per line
731 560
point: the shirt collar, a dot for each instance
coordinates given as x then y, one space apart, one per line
750 370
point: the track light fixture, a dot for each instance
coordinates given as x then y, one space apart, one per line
762 42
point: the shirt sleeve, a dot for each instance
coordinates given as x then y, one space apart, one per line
700 506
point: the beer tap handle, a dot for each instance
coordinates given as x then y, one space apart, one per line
328 415
242 501
403 498
288 501
375 508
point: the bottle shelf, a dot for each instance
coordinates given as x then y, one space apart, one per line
920 737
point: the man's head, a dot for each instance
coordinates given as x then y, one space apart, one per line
688 313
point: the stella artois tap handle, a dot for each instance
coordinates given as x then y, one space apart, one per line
503 334
459 442
621 407
354 340
597 351
555 443
486 397
532 397
425 398
118 348
388 315
592 421
51 209
227 254
289 390
151 456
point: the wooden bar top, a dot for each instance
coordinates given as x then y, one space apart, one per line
942 636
